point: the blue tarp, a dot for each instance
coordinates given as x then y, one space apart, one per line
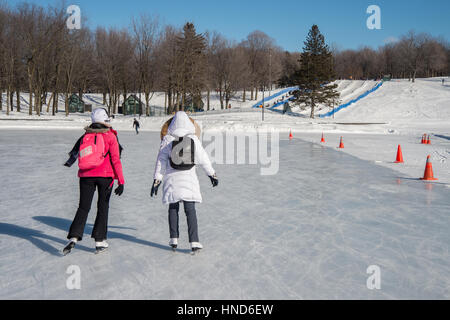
345 105
274 96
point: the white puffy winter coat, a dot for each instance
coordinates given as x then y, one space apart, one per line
180 184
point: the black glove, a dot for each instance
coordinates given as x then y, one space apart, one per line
214 180
155 187
72 158
119 190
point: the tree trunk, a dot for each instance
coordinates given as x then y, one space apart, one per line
169 100
18 100
116 105
207 99
30 88
104 98
110 102
1 100
256 93
312 108
177 104
66 103
221 98
11 99
140 111
7 102
183 100
243 96
30 103
147 102
251 94
44 97
37 99
50 102
227 100
55 103
175 101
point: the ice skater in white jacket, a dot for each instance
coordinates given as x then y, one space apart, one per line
181 185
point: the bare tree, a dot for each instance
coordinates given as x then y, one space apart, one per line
412 48
167 60
258 45
147 36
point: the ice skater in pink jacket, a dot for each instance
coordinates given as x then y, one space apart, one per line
98 153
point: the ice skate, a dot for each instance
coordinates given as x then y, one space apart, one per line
101 247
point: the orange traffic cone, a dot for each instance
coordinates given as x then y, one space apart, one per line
322 140
423 139
428 175
290 135
399 155
341 144
428 140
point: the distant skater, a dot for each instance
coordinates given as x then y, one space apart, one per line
136 125
179 152
98 154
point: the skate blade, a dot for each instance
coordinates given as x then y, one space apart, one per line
100 250
68 249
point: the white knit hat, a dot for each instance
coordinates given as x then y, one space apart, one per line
99 115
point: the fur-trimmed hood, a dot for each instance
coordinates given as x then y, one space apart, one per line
97 128
165 128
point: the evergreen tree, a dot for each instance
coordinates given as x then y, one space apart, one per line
315 72
191 57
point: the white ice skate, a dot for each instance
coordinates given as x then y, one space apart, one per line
196 247
101 246
173 242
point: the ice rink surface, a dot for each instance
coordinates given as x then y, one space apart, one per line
308 232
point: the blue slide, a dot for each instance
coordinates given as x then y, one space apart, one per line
274 96
345 105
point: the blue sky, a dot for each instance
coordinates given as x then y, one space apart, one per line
343 22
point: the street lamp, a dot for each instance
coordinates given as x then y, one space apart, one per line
263 104
270 71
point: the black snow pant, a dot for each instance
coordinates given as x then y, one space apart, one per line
189 209
87 190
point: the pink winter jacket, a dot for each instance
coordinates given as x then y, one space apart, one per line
111 166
